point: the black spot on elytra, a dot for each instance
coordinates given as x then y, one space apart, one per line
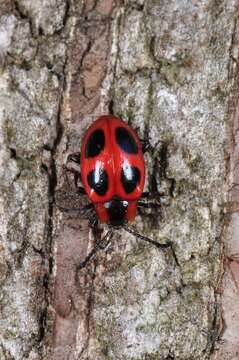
98 180
126 141
95 143
130 177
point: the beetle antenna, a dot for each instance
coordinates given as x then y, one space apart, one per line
147 239
100 245
167 244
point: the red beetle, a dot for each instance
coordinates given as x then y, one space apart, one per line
112 169
113 175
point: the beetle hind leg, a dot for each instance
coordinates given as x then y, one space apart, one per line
74 157
86 211
73 166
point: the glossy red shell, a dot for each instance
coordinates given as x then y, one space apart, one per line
112 158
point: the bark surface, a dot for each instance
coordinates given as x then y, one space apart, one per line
170 69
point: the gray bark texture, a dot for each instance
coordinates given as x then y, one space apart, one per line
169 68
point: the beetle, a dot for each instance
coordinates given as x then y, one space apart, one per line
113 175
112 169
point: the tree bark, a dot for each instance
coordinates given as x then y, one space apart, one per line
170 70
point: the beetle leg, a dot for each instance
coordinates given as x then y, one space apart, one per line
93 221
75 169
149 208
146 145
147 195
74 157
149 202
84 210
100 245
148 205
